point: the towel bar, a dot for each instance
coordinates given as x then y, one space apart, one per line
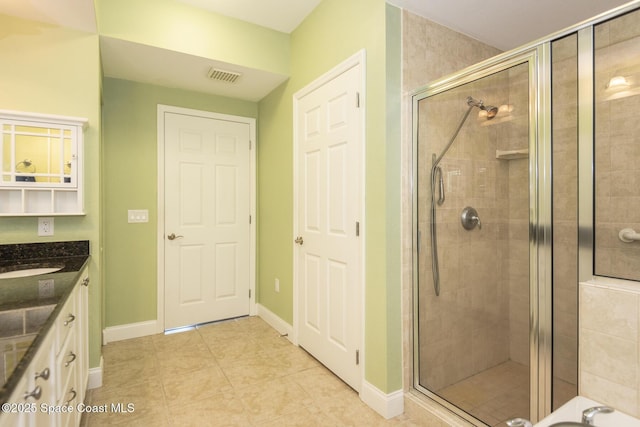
628 235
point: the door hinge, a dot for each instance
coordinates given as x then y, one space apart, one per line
249 293
357 99
250 144
357 228
357 357
249 219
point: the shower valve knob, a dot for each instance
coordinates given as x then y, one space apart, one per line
477 220
470 219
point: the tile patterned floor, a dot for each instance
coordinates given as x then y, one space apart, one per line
234 373
495 395
500 393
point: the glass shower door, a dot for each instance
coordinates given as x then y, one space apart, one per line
472 336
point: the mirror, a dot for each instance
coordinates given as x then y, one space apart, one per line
38 154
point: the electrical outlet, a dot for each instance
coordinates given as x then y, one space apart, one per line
45 226
46 288
277 285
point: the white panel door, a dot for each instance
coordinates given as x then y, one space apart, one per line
328 137
207 209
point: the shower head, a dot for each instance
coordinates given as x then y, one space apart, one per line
490 109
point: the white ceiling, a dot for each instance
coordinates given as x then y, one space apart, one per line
267 13
504 24
507 24
76 14
131 61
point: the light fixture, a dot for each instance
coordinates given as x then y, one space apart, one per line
618 82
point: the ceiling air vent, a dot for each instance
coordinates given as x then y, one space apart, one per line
223 75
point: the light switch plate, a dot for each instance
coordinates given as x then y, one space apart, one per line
138 215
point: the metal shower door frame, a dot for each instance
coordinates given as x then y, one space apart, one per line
538 55
537 59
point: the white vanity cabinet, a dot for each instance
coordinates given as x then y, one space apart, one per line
35 388
41 164
13 415
55 381
72 351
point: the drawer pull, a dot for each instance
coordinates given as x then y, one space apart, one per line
85 282
70 361
36 393
44 374
70 319
74 396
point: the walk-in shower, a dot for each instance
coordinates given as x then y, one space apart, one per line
509 215
473 195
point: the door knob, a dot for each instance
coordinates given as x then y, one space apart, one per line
173 236
299 240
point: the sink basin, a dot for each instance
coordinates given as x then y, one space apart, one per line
568 424
26 272
570 414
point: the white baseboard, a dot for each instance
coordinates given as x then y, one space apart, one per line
387 405
276 322
95 376
131 330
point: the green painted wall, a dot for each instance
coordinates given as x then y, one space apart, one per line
333 32
130 182
394 196
174 25
45 69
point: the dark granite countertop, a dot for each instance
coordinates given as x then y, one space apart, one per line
29 305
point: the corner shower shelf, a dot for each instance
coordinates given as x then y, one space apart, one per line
512 154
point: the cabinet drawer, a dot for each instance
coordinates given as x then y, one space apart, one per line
69 397
66 362
42 375
66 321
16 416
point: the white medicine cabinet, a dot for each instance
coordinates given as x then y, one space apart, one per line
41 160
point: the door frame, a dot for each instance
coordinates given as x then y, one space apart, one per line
358 59
162 110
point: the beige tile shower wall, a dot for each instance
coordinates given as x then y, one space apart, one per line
617 147
609 344
465 329
517 200
462 331
430 51
565 208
